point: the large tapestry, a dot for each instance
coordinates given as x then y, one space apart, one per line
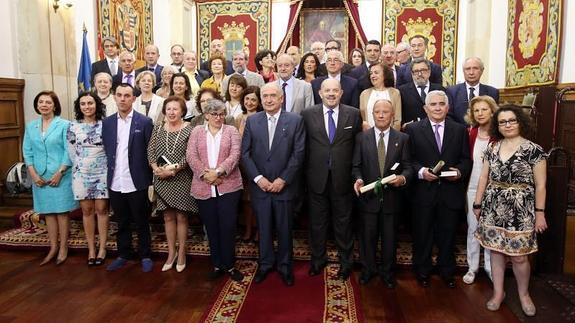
129 21
436 20
533 40
242 24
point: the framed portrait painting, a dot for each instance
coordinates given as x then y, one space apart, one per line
323 25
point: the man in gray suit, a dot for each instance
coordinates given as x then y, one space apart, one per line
297 93
331 128
273 147
240 64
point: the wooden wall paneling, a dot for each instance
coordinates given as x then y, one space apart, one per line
11 123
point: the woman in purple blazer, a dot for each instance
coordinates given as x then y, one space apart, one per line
213 154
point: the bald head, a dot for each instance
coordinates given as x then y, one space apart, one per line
295 54
330 93
388 55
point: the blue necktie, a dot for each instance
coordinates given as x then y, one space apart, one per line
330 126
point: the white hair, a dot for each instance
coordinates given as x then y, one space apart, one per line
436 93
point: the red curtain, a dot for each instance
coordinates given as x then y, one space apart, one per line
352 10
356 37
293 27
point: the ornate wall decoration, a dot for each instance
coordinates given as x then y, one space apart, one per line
242 24
533 42
434 19
129 21
323 25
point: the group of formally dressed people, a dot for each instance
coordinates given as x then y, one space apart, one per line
361 142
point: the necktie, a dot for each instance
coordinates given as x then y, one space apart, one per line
113 67
422 92
284 92
471 93
437 137
330 126
271 130
381 153
151 69
129 79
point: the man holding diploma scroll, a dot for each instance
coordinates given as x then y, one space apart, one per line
441 162
380 152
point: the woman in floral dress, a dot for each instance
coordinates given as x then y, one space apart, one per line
510 202
89 171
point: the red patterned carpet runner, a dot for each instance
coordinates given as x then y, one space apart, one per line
31 234
323 298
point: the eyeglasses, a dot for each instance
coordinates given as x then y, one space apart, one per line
333 60
425 70
218 115
503 123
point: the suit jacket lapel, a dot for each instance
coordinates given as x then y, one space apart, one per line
371 147
430 135
320 122
278 134
416 91
295 94
392 145
447 137
341 122
133 127
53 125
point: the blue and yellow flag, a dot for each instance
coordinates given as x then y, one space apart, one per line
85 71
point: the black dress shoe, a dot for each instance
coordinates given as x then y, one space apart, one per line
389 281
91 262
236 275
288 279
216 273
365 277
449 281
423 280
261 275
315 270
344 273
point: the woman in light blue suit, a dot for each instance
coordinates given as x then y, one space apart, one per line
46 156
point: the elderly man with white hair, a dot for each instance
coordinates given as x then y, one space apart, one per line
441 164
334 65
240 65
462 93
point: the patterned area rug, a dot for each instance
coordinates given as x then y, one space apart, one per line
31 234
312 299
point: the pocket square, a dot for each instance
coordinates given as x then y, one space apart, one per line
348 127
137 130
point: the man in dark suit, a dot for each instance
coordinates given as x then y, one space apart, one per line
418 45
330 45
110 63
438 197
126 74
334 63
461 94
273 148
361 73
413 93
126 135
331 128
389 59
217 48
151 56
379 152
177 55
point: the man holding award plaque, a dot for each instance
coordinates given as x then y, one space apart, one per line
380 153
441 162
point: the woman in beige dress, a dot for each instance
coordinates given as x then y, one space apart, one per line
381 78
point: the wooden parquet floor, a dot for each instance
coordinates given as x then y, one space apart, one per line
72 292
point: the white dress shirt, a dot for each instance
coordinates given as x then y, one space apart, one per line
326 118
213 143
122 180
385 138
441 131
277 116
113 66
289 92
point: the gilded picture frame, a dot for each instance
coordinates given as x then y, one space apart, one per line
323 25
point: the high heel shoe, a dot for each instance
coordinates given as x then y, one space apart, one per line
100 260
493 306
48 258
61 259
180 268
528 307
169 265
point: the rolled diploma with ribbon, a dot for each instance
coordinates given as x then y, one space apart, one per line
371 186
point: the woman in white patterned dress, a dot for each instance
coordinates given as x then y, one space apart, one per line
89 182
